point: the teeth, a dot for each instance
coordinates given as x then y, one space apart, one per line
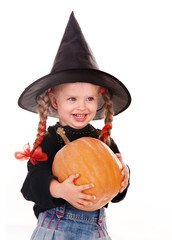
79 115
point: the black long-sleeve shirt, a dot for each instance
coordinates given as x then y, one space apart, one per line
36 185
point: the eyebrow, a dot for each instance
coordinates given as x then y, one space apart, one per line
73 95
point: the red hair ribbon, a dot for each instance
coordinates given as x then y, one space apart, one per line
40 139
102 90
36 155
49 90
43 123
42 130
105 129
44 127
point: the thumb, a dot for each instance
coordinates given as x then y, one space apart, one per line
119 156
72 177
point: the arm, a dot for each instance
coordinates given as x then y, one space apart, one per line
71 192
125 172
125 183
36 185
44 189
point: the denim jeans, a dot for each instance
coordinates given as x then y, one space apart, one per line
69 223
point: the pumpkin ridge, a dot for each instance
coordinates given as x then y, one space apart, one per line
96 163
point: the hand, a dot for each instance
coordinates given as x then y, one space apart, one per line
125 173
74 194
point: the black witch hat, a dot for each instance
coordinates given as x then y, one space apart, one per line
75 62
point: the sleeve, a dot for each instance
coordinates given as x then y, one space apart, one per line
36 185
120 196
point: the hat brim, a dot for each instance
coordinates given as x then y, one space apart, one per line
120 95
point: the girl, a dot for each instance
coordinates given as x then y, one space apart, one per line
76 92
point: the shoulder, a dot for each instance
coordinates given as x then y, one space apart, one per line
50 146
50 136
51 142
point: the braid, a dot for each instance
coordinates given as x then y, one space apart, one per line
43 109
108 119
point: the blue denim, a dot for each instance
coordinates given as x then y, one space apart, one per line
69 223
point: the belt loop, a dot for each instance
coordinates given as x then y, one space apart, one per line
101 223
101 214
60 211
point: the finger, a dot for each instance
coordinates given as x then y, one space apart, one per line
88 197
124 184
119 156
72 177
122 188
125 172
86 186
85 203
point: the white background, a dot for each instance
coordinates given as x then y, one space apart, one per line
132 40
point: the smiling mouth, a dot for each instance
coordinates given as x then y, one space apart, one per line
79 116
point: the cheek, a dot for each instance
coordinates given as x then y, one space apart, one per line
64 108
93 107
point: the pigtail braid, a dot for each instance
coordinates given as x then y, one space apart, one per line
108 117
43 109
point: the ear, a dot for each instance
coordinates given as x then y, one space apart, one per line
53 100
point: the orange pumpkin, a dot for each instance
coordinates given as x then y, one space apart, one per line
96 163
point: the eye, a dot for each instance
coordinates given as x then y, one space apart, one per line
72 99
90 99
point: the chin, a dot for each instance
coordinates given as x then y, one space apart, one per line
79 125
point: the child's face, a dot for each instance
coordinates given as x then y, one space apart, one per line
76 103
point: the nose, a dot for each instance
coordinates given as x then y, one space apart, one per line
81 105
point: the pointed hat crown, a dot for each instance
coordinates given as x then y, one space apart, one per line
74 62
74 52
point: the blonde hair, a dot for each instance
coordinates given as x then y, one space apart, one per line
44 106
43 110
108 117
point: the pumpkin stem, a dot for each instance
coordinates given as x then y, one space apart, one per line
61 132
